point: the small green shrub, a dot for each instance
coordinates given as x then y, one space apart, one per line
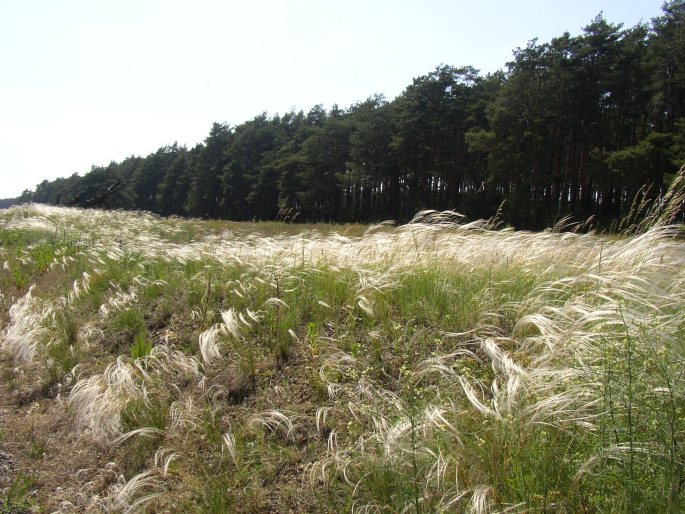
141 346
139 413
17 498
62 351
129 319
21 278
43 255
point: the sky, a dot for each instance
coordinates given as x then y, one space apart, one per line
87 82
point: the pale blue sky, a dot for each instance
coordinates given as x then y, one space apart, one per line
85 82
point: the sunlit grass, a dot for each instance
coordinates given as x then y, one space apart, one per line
432 367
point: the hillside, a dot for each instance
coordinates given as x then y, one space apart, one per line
164 365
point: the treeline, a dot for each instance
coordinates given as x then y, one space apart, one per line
7 202
580 126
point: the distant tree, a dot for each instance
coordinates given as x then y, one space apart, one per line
432 120
370 183
325 155
150 173
245 183
8 202
206 191
667 60
173 191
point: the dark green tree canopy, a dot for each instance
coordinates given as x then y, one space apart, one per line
580 126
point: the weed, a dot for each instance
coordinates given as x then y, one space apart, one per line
139 413
18 498
433 367
313 339
63 349
37 447
43 256
141 346
130 319
21 278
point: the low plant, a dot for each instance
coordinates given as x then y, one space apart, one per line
43 256
141 346
21 277
17 498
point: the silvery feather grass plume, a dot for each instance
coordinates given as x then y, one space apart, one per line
164 457
229 442
25 329
480 503
172 363
96 402
129 496
149 432
276 422
209 348
233 324
440 241
183 416
89 334
118 301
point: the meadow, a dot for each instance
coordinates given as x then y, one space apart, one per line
168 365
